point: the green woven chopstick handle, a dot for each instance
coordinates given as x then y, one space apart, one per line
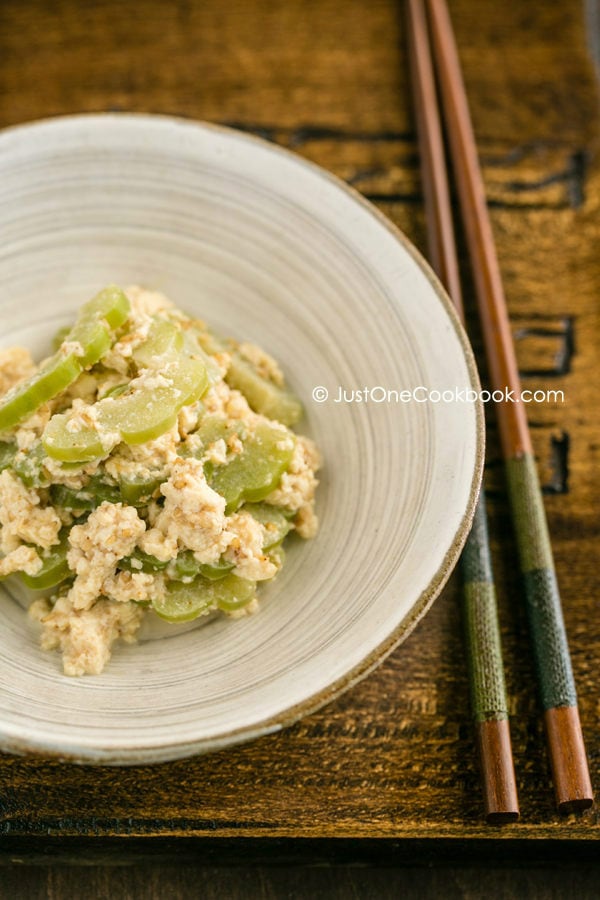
550 647
484 651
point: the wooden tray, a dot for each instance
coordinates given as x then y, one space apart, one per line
388 770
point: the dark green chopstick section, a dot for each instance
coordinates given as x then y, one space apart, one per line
482 632
549 640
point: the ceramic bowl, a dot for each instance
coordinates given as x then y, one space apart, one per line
266 247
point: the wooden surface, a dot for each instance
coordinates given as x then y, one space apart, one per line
394 758
178 882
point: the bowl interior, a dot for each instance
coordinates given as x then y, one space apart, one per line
266 248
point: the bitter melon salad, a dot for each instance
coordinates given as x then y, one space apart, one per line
148 468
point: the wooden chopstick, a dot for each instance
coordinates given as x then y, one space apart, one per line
558 695
484 652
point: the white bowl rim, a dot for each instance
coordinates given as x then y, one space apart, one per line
311 704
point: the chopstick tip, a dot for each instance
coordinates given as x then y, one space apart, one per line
498 772
502 817
575 806
568 759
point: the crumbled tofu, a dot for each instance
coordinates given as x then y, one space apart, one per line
296 489
145 461
247 610
192 518
151 381
85 636
245 549
189 417
263 362
83 388
72 478
66 516
128 343
222 360
220 399
83 415
22 515
110 533
148 303
235 444
153 510
118 363
30 430
216 452
139 586
16 364
21 559
237 407
306 522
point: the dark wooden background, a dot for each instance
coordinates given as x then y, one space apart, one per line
387 773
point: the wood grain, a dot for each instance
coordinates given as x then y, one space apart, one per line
178 882
395 756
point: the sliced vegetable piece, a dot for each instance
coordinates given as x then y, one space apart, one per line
276 525
215 427
254 472
96 321
29 466
110 304
144 412
68 446
184 602
53 377
70 499
142 562
214 571
164 342
186 567
138 491
193 347
85 343
235 593
92 495
55 568
262 395
117 390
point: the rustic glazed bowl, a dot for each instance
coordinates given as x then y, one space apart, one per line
269 248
